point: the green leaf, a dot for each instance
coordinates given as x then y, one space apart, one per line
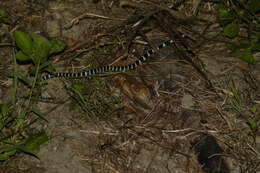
253 109
248 57
7 154
245 55
23 149
252 124
5 17
4 110
20 56
41 48
231 30
24 42
225 15
34 142
57 46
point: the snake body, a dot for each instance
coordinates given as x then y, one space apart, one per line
108 68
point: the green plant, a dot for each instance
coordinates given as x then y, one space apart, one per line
36 49
26 146
237 15
4 115
250 115
253 121
9 144
95 98
5 17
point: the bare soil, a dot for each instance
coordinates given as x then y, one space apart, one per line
158 118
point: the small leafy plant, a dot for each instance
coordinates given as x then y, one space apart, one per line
5 17
235 16
36 49
9 147
250 115
94 98
253 121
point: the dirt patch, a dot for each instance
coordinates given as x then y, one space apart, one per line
151 119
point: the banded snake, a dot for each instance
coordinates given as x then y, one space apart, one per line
108 68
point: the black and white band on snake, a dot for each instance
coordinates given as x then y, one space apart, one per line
103 69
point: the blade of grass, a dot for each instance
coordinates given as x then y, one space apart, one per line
39 114
14 89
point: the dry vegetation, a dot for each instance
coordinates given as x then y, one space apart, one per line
191 108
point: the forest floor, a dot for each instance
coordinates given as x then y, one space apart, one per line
187 109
